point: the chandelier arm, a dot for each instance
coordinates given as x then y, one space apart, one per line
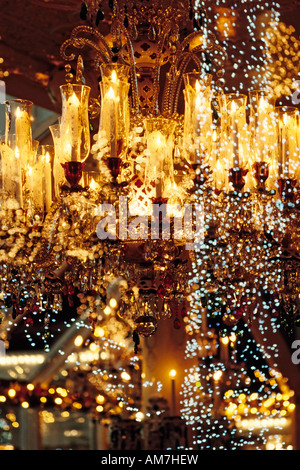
186 58
166 107
92 32
209 45
80 43
191 56
105 54
133 73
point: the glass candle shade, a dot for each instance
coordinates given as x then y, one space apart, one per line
159 166
234 131
39 182
287 132
58 160
115 113
114 71
262 126
11 169
18 123
197 117
75 128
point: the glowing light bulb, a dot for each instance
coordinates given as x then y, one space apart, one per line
113 303
78 341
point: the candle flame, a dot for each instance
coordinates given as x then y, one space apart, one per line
218 375
198 101
47 157
17 152
219 166
111 93
234 107
18 112
263 104
114 76
285 119
93 184
74 100
158 140
197 86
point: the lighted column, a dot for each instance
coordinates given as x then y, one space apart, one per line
172 375
164 365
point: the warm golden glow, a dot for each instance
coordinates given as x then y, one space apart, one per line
78 341
111 94
100 399
125 376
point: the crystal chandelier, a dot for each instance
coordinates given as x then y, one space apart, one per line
183 191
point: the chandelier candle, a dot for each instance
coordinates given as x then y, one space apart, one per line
287 133
75 130
114 118
159 167
197 117
18 123
36 177
110 124
262 127
70 127
58 160
11 169
23 132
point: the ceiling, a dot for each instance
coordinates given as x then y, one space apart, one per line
32 32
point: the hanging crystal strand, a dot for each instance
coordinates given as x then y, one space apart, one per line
171 76
183 58
57 302
134 31
178 79
165 33
133 72
152 30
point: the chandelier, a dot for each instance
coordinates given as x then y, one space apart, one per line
184 192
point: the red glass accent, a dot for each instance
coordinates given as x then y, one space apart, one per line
261 172
168 281
73 172
161 291
236 177
114 165
287 189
